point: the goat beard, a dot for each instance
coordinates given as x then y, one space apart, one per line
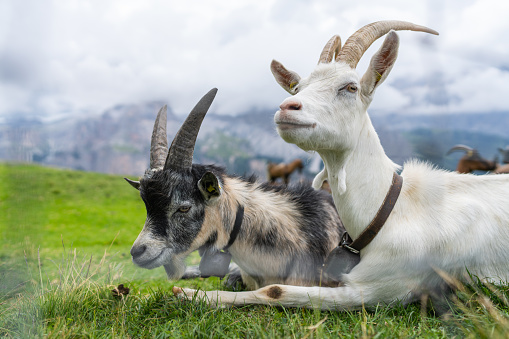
341 176
175 269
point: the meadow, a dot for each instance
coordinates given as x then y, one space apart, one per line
65 238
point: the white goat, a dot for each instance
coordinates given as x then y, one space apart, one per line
442 221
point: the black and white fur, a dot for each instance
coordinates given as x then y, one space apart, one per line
285 235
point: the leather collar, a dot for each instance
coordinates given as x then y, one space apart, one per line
236 227
376 224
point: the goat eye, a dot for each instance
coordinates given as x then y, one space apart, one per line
184 209
351 88
294 86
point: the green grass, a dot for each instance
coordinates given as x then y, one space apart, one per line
65 238
48 209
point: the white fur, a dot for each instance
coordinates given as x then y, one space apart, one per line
442 221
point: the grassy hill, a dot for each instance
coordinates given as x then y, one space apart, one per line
40 206
64 245
48 213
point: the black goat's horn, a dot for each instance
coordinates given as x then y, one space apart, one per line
159 143
180 154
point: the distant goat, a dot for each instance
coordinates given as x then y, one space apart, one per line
283 170
442 221
275 234
505 160
472 160
505 154
502 169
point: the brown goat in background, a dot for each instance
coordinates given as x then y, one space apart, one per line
283 170
505 154
501 169
505 159
472 160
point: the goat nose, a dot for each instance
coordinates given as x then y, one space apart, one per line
291 105
136 251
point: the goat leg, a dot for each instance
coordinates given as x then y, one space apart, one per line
191 272
339 298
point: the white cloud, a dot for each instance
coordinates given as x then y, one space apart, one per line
62 57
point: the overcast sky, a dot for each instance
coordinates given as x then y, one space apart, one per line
72 56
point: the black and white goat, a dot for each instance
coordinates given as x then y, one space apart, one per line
283 235
441 222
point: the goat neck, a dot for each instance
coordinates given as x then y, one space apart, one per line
362 178
327 113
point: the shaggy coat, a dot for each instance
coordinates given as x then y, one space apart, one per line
285 234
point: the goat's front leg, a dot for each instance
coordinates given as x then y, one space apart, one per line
339 298
193 272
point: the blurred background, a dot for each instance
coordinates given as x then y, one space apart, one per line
81 81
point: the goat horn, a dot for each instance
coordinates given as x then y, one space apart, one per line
330 49
460 148
360 41
159 143
180 154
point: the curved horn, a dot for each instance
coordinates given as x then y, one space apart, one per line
180 154
159 143
360 41
330 49
460 148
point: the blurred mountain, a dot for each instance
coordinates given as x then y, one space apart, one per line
496 123
118 140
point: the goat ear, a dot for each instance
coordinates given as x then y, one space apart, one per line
135 184
380 65
286 78
209 186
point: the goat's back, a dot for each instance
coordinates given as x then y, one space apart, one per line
448 221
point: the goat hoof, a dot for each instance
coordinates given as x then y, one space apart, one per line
185 293
235 282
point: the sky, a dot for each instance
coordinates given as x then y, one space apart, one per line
70 57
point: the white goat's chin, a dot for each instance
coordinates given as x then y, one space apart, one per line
291 121
297 136
283 126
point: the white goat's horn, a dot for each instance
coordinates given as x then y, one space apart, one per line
159 143
330 49
360 41
180 154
